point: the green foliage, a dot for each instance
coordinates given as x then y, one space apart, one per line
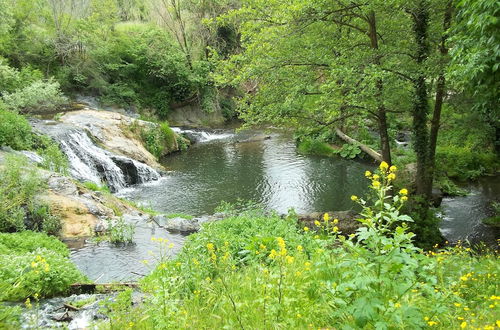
33 264
313 146
349 151
254 270
19 184
96 187
476 56
53 158
10 316
159 140
38 96
465 163
119 231
492 221
15 131
179 215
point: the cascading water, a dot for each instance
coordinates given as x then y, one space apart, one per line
89 162
202 136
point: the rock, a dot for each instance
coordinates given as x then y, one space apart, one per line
182 225
192 116
347 220
437 197
110 130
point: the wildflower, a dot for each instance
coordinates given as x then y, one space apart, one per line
335 229
46 268
393 168
171 246
273 254
208 279
404 198
463 325
210 247
300 248
391 176
317 223
384 166
466 309
376 184
403 192
27 303
299 316
354 198
316 236
306 228
397 305
368 174
34 264
457 304
376 177
431 323
262 246
326 217
289 259
145 261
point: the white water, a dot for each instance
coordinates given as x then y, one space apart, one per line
202 136
89 162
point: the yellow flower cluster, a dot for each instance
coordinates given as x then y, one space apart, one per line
211 251
40 263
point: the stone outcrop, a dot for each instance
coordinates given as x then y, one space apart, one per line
110 131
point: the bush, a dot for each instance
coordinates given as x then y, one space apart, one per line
40 95
15 131
53 158
34 264
463 163
159 140
313 146
20 208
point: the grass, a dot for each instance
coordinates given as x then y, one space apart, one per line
254 270
179 215
492 221
96 187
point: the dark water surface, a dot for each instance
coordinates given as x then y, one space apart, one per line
270 172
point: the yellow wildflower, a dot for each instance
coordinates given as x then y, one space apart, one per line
335 221
376 177
326 217
335 229
431 323
376 184
397 305
391 176
306 228
317 223
290 259
368 174
457 304
393 168
463 325
403 192
171 246
210 247
354 198
262 246
28 303
300 248
273 254
404 198
384 166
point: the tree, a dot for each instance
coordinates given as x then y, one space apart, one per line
475 67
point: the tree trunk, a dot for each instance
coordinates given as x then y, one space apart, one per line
421 105
438 105
369 151
381 111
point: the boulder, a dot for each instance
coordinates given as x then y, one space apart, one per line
110 130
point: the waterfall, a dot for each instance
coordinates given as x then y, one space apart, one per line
88 162
202 136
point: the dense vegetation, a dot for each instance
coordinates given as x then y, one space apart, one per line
350 79
257 270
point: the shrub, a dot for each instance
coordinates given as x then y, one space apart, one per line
463 163
19 185
159 140
95 187
120 231
15 131
34 264
313 146
40 95
53 158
